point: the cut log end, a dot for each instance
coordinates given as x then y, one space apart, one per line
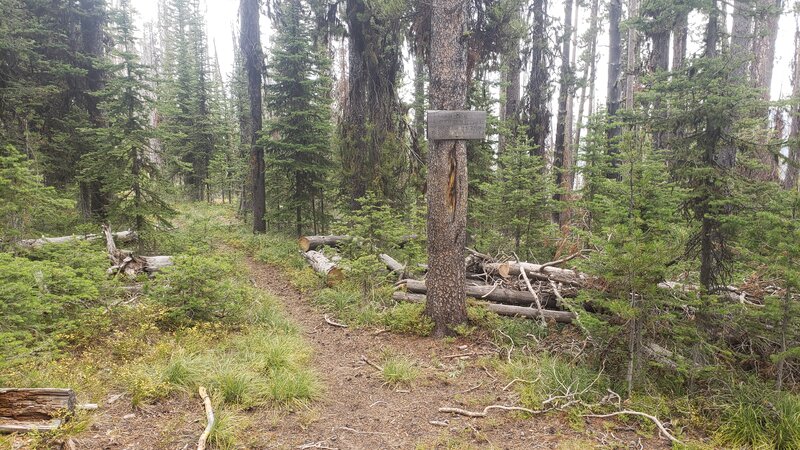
304 243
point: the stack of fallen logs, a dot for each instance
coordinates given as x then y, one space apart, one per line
507 288
512 288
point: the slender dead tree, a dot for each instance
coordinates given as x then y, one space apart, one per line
562 161
250 42
447 172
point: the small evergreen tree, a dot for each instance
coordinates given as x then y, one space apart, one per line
124 162
298 146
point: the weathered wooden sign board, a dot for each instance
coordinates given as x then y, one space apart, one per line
456 125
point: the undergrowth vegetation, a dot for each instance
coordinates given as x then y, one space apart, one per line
197 323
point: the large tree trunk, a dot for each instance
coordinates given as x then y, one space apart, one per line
793 163
613 90
562 160
447 172
680 36
369 122
250 41
742 38
538 112
511 66
631 60
94 202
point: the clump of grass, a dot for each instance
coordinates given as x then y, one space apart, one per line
228 425
763 423
235 386
267 352
398 370
145 383
293 387
547 375
408 318
183 370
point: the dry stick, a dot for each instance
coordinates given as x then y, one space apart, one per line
572 309
637 413
535 296
486 410
562 260
332 323
472 388
364 358
493 288
459 355
201 444
520 380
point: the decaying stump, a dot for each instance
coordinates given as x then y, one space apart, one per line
130 264
29 409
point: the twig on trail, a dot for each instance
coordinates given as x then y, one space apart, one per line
352 430
364 358
316 445
461 355
654 419
332 323
440 423
377 403
520 380
508 356
486 410
494 378
472 388
201 444
379 332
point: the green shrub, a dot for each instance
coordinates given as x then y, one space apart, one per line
46 305
199 289
408 318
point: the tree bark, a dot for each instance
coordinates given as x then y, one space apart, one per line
121 236
538 112
613 92
250 41
742 38
587 80
793 163
447 172
562 160
680 35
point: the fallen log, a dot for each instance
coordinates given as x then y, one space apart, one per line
393 264
130 264
120 236
538 272
201 443
491 292
313 242
502 310
324 266
307 243
29 409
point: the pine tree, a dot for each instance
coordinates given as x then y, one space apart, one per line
297 95
124 162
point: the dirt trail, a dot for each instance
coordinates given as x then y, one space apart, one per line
358 411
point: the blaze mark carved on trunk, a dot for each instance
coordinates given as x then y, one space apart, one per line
452 191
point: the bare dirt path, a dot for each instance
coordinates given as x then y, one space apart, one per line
359 411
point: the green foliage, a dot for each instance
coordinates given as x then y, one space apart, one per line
50 303
199 289
408 318
298 150
25 203
766 423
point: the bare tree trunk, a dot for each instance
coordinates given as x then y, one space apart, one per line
250 41
680 35
511 67
793 163
742 37
447 172
632 46
613 92
561 159
538 112
587 80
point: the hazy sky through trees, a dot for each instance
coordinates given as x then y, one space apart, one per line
222 22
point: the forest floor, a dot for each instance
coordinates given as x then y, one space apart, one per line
358 408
